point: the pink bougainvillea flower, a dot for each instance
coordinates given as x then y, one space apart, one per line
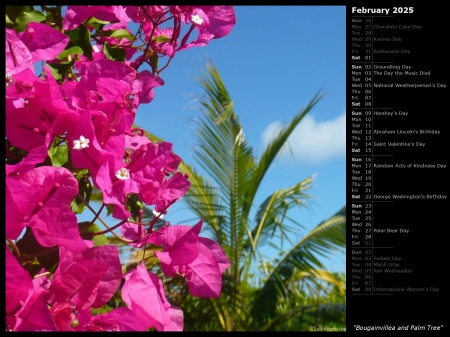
43 41
141 170
119 319
221 20
18 56
34 157
83 61
84 148
38 42
203 273
77 284
167 193
64 315
116 183
143 292
40 199
76 15
180 243
25 308
88 278
18 288
43 115
132 232
35 315
107 87
144 84
141 13
211 22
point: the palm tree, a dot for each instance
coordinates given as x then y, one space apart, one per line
292 288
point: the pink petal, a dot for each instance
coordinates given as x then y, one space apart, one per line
44 42
143 292
221 20
18 57
181 245
217 251
107 255
171 191
78 284
203 275
35 156
119 319
144 84
35 315
56 227
76 15
18 286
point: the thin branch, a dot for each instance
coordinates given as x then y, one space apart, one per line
14 247
102 221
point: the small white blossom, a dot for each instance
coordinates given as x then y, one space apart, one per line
81 143
196 19
123 174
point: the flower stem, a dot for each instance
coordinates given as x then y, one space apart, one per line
102 221
14 247
40 275
105 231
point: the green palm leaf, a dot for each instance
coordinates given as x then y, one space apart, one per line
272 213
326 238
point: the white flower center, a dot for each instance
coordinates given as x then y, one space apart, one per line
196 19
81 143
123 174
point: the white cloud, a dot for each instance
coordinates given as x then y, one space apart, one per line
312 142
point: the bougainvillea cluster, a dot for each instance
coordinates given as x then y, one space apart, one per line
75 77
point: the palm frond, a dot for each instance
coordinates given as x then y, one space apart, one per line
225 155
327 237
272 213
310 315
273 149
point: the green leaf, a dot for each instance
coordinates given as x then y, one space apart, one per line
86 228
85 190
9 23
110 209
118 34
161 38
99 240
58 155
95 23
70 51
153 58
114 53
60 70
80 37
25 18
12 12
134 205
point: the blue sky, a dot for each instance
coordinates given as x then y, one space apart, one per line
273 62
